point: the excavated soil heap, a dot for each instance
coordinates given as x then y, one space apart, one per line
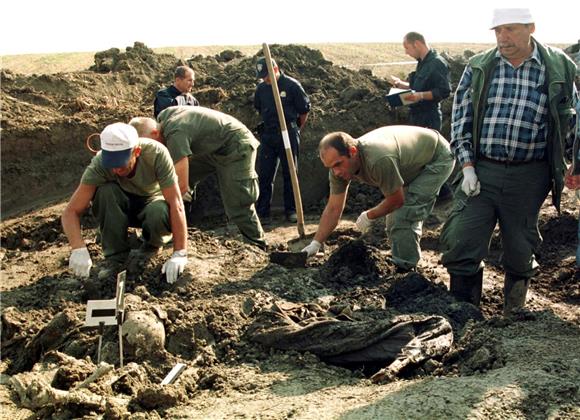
47 118
522 367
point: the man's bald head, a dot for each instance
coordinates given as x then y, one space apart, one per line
147 127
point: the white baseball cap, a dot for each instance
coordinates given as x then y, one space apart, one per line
514 15
117 143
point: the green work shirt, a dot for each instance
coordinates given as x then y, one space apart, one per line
391 157
153 173
200 131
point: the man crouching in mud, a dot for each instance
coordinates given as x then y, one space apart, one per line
409 164
131 182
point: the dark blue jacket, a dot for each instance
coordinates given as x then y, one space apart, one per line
431 74
166 98
295 102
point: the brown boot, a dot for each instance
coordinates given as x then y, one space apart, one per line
467 288
515 289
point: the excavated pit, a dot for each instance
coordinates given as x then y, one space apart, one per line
49 357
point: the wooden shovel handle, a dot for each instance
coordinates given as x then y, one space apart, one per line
286 138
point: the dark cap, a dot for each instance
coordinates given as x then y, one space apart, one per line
262 67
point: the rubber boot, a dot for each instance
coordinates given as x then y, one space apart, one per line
467 288
515 289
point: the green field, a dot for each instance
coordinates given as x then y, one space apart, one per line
375 56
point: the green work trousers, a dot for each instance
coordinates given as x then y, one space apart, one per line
234 166
117 210
405 225
511 195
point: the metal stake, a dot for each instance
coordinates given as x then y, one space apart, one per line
121 345
101 332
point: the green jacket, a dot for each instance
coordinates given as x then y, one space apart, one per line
560 73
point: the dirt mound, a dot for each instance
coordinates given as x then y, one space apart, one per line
47 118
138 59
355 264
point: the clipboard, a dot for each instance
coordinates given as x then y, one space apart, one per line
397 97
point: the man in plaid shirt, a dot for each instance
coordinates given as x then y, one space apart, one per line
512 116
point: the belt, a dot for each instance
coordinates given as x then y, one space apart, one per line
508 162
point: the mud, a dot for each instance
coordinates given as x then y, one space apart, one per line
523 367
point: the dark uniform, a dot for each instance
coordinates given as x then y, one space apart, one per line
431 74
295 102
171 96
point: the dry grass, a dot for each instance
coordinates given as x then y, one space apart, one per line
379 57
48 63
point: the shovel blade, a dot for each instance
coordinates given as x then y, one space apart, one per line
298 244
289 259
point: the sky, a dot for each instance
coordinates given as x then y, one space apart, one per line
52 26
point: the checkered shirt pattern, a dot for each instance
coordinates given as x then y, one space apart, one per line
515 123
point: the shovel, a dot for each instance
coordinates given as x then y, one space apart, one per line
292 258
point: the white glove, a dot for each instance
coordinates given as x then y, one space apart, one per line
470 185
175 265
363 223
312 248
80 262
187 196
